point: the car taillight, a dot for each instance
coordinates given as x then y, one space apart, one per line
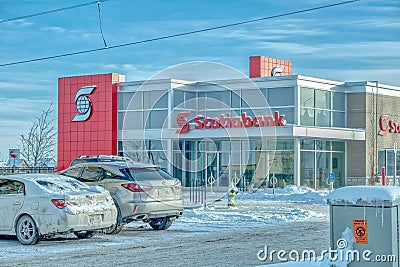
178 184
135 187
59 203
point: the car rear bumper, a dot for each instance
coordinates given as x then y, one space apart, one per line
153 209
67 223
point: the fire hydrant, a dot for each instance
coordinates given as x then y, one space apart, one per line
231 197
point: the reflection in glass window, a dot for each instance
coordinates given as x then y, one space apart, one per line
322 118
307 97
323 145
338 146
307 116
283 168
307 169
338 169
307 144
322 99
285 144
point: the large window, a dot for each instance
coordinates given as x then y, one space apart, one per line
391 161
322 108
318 158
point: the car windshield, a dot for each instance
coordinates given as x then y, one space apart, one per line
63 186
141 174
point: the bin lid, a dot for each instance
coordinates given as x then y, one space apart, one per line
365 195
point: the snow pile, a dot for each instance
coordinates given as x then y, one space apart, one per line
250 215
368 194
291 193
344 255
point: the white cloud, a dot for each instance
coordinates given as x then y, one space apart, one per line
55 29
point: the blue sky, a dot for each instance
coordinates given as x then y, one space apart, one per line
358 41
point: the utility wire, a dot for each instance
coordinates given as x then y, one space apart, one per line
178 34
53 11
101 29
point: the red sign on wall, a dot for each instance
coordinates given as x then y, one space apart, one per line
386 125
227 121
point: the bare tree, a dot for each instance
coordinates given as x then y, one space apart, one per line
39 142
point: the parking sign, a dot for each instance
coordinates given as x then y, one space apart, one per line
331 177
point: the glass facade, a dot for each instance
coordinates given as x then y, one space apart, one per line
201 159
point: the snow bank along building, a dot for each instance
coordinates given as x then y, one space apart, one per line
321 126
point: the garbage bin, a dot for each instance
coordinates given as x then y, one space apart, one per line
372 213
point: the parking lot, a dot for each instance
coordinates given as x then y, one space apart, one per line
202 237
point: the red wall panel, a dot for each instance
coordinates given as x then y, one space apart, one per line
96 135
261 66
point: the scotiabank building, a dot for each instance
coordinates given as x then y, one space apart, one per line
200 131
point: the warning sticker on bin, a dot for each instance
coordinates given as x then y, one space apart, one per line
360 231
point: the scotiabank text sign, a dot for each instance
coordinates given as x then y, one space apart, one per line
227 121
388 126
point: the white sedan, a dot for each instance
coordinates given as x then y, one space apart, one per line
34 206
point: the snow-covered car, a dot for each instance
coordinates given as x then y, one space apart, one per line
141 192
35 206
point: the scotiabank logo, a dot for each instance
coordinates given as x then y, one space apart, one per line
387 125
182 122
83 103
226 121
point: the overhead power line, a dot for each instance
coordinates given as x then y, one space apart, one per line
52 11
101 28
178 34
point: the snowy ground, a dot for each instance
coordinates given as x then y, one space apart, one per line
292 218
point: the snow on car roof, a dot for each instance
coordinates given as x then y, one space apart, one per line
54 183
118 164
368 194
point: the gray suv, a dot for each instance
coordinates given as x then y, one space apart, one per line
141 192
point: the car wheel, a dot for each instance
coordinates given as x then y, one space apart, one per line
161 223
117 227
27 231
84 234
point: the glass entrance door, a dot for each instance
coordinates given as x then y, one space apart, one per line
213 169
